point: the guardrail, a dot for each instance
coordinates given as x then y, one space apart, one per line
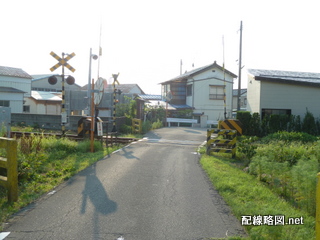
180 120
226 145
10 163
136 125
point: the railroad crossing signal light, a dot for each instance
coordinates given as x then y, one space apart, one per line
52 80
70 80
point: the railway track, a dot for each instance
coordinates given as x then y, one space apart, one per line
109 139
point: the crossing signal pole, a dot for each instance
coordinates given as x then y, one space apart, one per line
70 80
115 80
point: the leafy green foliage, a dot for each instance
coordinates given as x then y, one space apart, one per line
253 125
289 137
247 147
289 168
249 197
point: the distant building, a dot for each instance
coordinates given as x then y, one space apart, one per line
243 99
42 102
202 90
15 85
283 92
40 83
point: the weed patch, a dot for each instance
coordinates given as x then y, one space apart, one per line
247 196
44 163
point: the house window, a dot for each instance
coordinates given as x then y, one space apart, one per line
4 103
26 109
266 112
189 90
216 92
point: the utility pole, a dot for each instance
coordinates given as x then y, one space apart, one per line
240 67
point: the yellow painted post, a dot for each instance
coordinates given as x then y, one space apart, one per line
136 125
12 171
11 164
318 208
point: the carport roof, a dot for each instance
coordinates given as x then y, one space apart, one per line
47 96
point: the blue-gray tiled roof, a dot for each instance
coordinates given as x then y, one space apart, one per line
306 78
13 72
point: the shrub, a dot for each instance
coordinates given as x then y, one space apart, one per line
245 118
289 137
146 126
309 124
304 181
125 129
247 146
157 124
85 146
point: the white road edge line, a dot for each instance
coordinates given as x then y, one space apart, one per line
3 235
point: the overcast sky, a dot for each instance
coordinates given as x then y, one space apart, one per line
144 40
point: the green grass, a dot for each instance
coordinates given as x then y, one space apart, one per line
44 163
249 197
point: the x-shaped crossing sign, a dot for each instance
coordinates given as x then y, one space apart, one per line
62 61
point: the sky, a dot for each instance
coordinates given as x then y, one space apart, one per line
145 40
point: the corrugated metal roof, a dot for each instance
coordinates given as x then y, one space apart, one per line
286 76
170 106
150 97
46 96
13 72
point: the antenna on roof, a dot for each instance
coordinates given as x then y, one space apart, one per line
240 67
180 66
224 82
100 49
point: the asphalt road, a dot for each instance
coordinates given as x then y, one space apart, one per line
151 189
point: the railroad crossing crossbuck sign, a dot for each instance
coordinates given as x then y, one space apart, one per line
62 61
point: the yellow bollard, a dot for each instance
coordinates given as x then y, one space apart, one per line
318 208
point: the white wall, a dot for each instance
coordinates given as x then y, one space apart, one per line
271 95
22 84
253 95
16 101
214 109
289 96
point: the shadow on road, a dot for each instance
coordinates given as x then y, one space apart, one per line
128 154
193 131
95 191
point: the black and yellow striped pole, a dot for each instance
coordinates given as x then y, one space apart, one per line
64 63
63 104
115 76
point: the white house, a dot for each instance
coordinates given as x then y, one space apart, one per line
207 90
283 92
15 85
42 102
